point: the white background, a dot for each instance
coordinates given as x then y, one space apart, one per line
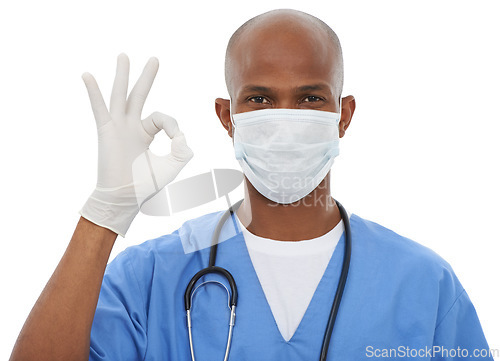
421 156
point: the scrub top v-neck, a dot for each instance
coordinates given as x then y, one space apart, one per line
398 293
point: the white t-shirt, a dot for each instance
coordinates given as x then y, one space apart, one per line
289 272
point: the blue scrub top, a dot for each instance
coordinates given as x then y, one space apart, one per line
401 301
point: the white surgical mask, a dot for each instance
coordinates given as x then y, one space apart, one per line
286 153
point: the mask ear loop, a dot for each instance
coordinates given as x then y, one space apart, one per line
340 108
231 116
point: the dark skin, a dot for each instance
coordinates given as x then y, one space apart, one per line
292 71
286 62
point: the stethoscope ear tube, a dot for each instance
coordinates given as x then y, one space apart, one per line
212 269
342 281
218 229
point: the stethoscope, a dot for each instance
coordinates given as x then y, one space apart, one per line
233 297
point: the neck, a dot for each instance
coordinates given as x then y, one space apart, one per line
310 217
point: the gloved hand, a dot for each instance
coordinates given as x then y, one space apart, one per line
128 173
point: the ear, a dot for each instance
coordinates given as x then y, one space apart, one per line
223 110
348 106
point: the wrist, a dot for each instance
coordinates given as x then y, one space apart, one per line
102 237
105 210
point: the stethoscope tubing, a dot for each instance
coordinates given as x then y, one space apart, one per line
233 298
341 285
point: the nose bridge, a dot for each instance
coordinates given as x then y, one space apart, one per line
286 99
285 104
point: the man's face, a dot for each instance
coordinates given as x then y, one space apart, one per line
279 67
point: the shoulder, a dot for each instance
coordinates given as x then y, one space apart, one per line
391 246
411 285
194 234
403 260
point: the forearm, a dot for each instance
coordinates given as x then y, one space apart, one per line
58 327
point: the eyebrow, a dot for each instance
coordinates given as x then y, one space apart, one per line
256 88
301 89
312 87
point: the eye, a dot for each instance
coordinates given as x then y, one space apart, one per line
259 100
312 99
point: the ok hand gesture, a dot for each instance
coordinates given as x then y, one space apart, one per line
128 173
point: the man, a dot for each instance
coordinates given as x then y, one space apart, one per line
284 75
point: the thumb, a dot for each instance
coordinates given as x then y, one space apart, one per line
180 151
167 167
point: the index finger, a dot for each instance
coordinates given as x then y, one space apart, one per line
141 89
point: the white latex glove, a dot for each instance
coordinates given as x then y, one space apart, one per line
128 173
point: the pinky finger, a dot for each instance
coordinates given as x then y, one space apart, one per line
99 108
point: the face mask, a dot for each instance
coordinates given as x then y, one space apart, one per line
286 153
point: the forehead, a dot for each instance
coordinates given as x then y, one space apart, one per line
286 53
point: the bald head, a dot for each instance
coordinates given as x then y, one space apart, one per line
292 33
